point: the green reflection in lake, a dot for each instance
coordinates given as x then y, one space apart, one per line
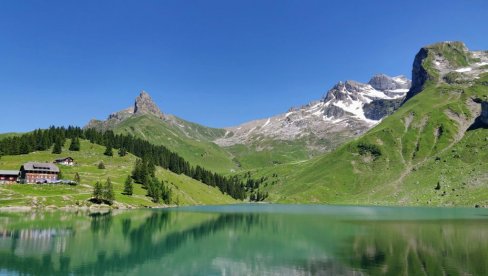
247 240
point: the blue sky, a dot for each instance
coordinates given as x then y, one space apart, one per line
217 63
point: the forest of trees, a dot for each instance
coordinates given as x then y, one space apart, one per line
40 140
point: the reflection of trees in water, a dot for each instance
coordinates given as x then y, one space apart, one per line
420 248
126 224
101 222
386 248
144 248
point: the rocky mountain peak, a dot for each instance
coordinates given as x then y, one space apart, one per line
383 82
145 105
436 61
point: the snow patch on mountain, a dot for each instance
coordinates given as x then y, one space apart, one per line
340 112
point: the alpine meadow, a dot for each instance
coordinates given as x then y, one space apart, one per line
243 138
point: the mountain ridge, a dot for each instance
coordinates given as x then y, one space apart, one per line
339 115
306 131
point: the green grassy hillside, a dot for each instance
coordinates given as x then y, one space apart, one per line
186 191
194 143
196 151
403 159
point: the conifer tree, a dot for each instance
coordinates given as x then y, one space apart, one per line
98 191
108 150
122 152
108 191
101 165
77 178
128 186
165 193
154 189
75 144
57 149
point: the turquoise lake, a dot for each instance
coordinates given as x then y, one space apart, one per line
247 240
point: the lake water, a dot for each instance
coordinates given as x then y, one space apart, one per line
247 240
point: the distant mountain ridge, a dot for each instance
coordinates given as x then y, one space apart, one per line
348 109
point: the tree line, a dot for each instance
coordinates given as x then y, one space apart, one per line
44 139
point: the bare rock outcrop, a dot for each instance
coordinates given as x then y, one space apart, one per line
145 105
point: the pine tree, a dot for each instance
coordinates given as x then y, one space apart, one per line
98 191
58 148
151 168
128 186
75 144
137 171
154 190
101 165
165 193
109 151
77 178
122 152
108 191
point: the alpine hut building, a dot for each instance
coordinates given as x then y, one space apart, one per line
34 172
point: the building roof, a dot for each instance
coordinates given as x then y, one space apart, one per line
40 167
9 172
62 159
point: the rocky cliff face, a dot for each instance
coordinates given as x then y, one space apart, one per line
145 105
348 109
446 62
419 74
385 83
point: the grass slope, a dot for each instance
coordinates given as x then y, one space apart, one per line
266 152
186 191
194 143
196 151
424 143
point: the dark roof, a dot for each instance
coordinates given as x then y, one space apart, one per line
62 159
8 172
40 167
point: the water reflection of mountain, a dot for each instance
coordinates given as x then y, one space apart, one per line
457 247
144 248
188 243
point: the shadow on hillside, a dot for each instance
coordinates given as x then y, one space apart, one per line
478 123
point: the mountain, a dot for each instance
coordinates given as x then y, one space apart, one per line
193 142
432 151
347 110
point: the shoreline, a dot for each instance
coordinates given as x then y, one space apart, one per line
122 207
70 208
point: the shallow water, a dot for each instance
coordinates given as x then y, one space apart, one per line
247 240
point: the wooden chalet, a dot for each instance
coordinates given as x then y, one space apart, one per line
67 161
33 172
8 177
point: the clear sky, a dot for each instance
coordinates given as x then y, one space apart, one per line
217 63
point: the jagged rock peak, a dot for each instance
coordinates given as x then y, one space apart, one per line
145 105
435 60
383 82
